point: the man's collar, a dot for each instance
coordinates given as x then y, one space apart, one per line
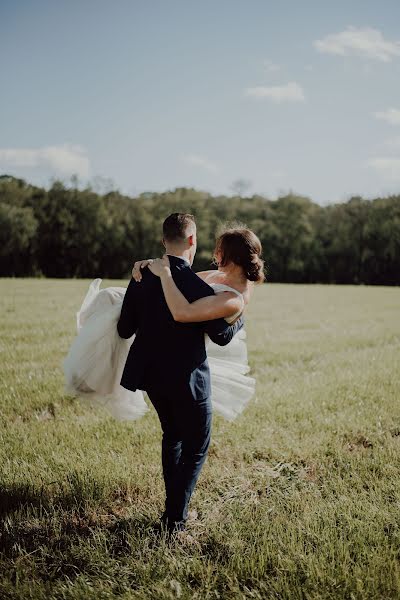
183 258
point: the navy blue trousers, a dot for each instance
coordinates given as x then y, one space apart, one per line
186 434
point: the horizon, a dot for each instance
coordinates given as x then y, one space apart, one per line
95 187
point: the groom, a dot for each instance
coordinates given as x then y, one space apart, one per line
168 360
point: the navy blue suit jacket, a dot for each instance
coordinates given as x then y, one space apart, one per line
165 354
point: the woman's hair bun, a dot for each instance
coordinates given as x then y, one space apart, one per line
240 246
255 269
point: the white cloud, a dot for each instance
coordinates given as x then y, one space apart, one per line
387 168
200 161
367 43
66 160
391 115
290 92
392 142
270 66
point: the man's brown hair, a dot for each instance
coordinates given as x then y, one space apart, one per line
176 225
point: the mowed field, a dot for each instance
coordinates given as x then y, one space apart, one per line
299 498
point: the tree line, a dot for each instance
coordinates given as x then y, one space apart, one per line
64 231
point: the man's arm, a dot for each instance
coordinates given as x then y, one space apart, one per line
220 332
128 320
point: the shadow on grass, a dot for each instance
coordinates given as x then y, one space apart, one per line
77 491
65 552
63 530
18 496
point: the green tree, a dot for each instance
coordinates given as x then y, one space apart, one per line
17 232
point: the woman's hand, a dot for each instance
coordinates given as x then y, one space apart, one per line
140 264
160 266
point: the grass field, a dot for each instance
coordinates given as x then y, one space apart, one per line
299 498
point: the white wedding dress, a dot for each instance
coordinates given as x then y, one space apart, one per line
96 359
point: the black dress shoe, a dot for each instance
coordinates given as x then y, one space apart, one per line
176 526
170 526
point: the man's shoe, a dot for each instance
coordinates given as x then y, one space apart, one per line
176 526
170 525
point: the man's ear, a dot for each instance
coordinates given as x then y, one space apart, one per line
191 240
163 243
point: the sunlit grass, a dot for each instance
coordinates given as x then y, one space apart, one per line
299 498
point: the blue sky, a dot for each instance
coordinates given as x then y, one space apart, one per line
301 96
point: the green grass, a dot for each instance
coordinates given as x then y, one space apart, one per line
299 498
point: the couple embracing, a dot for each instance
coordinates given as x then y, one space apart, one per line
155 336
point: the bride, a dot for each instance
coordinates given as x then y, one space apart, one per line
96 359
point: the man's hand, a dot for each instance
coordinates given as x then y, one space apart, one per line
237 319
